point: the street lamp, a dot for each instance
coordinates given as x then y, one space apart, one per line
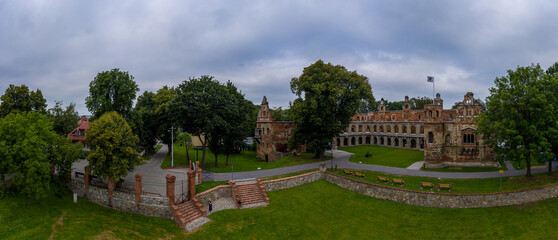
172 146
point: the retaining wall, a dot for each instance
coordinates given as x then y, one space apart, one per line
289 182
150 205
443 200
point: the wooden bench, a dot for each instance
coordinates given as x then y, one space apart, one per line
359 174
444 186
382 179
401 182
345 171
426 184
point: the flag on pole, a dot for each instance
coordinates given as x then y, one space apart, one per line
430 79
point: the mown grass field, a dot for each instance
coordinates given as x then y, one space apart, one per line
478 185
318 210
384 156
243 161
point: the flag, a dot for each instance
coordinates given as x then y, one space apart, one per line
430 79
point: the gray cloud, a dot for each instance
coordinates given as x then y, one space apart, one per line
59 46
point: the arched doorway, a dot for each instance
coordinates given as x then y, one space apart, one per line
367 140
404 142
352 141
360 140
413 143
389 142
375 141
396 142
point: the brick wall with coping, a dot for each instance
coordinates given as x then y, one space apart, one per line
150 205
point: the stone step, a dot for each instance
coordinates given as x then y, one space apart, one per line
240 182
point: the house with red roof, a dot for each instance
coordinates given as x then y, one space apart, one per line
78 134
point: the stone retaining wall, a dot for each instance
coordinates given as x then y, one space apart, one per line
150 205
289 182
222 192
443 200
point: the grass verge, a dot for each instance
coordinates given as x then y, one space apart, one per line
384 156
468 169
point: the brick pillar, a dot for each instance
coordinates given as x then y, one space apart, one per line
170 188
87 179
191 184
189 164
110 187
138 188
199 175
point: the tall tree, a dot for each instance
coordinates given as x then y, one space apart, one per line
149 128
238 125
62 154
25 137
164 117
517 116
331 96
113 147
112 90
551 85
64 120
419 102
20 99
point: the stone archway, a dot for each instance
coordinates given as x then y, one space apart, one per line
353 141
381 141
389 142
345 141
338 142
360 140
413 143
396 142
375 141
404 143
367 140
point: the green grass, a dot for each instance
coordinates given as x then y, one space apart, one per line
477 185
318 210
468 169
243 161
523 164
384 156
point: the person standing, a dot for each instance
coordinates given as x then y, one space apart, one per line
210 203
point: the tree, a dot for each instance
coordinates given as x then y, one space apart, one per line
164 117
20 99
113 147
280 114
112 90
331 96
24 151
62 154
419 102
149 128
238 125
517 116
551 85
64 121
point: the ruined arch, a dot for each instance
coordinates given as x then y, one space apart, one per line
345 141
360 140
367 140
413 143
375 141
389 142
396 142
404 143
413 130
421 129
396 129
338 142
360 128
353 128
389 128
381 141
404 130
352 141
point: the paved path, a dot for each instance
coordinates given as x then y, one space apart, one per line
154 177
416 165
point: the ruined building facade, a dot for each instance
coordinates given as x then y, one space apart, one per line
447 136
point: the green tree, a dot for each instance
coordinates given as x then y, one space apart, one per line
62 154
239 125
331 96
113 147
551 89
24 151
20 99
112 90
419 102
280 114
64 121
516 120
164 117
149 128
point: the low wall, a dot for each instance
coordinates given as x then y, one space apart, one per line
222 192
289 182
150 205
443 200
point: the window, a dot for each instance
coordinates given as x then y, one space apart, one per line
468 138
430 138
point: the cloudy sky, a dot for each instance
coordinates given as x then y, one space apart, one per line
60 46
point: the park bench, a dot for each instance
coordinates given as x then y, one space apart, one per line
359 174
382 179
401 182
426 184
444 186
345 171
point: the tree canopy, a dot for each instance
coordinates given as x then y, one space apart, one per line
24 156
64 120
20 99
112 90
113 147
328 95
520 113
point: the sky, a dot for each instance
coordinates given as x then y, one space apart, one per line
60 46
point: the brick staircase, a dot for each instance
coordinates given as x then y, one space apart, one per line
248 193
187 212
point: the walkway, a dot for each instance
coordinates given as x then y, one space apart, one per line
154 177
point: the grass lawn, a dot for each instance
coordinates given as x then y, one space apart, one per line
478 185
318 210
384 156
243 161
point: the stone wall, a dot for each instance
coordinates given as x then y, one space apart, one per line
443 200
150 205
222 192
289 182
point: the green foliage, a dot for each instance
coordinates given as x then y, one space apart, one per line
20 99
331 96
280 114
112 90
163 115
63 154
520 113
26 139
419 102
384 156
64 121
113 147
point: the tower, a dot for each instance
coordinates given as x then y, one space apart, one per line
434 132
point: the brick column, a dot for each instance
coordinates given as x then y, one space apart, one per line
110 187
199 175
170 188
138 188
191 184
87 179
